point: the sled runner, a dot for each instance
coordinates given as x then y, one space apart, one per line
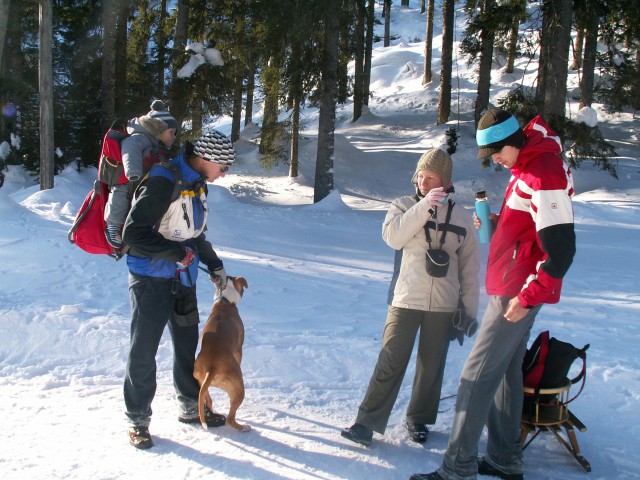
553 417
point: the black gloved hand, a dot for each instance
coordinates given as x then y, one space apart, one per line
463 324
456 335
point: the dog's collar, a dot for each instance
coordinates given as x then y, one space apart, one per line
231 295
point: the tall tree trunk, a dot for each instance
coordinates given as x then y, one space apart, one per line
358 82
108 64
368 51
543 60
4 16
196 115
589 62
45 74
555 62
387 22
179 86
236 117
444 103
161 41
577 49
120 88
486 60
422 6
296 95
295 137
428 44
636 96
404 3
251 85
343 64
513 45
271 86
329 92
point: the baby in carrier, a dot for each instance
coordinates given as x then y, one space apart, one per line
150 138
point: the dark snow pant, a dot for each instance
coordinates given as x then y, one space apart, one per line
399 336
152 310
490 392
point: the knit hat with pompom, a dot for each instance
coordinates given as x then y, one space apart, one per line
160 111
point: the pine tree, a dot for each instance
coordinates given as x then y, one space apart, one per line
444 102
329 92
45 68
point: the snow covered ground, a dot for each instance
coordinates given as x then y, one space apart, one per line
313 313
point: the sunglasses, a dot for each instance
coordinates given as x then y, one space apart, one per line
224 168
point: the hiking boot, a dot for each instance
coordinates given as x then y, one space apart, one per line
114 237
139 437
212 419
485 468
426 476
418 432
358 433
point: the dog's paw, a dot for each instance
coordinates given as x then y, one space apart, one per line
236 426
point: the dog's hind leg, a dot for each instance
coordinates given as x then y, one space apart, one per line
235 390
204 399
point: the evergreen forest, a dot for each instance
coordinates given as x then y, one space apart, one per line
69 68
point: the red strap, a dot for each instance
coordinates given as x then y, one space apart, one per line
535 375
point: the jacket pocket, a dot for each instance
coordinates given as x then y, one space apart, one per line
512 262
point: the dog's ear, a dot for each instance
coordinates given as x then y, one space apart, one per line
241 281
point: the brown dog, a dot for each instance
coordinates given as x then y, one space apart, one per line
218 363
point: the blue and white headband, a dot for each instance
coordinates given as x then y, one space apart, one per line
497 133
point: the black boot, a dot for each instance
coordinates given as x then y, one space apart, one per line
485 468
418 432
358 433
426 476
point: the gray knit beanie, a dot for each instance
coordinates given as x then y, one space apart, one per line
437 161
159 110
215 147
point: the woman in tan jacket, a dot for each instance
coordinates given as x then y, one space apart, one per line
427 289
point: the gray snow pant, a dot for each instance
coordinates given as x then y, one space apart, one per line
117 206
152 309
399 336
490 391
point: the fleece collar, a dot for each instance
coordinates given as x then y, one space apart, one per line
541 139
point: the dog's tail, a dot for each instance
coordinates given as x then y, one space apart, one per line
204 399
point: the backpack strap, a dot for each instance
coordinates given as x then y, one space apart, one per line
445 227
582 354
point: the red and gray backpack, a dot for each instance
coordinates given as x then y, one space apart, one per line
88 228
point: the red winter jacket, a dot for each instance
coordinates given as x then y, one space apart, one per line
534 241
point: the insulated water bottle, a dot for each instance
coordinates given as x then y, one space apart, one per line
484 213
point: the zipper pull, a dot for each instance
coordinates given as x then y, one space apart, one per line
185 216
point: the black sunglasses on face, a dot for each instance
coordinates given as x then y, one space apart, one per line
224 168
